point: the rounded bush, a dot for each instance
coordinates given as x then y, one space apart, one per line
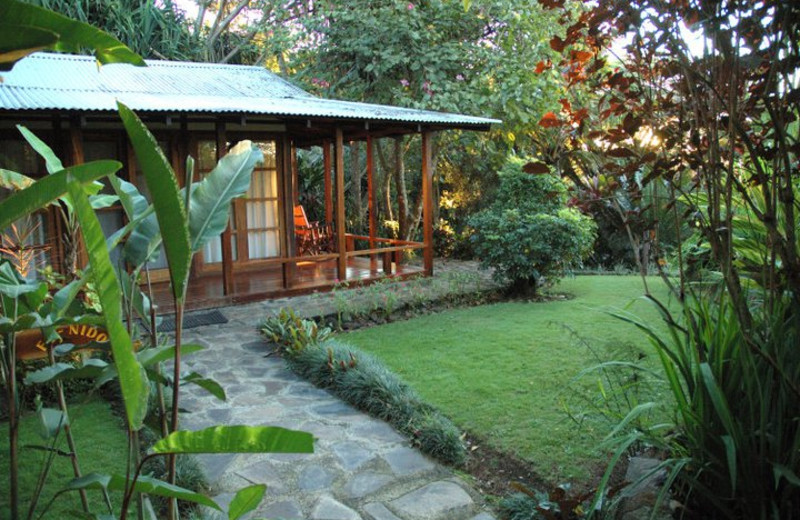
528 235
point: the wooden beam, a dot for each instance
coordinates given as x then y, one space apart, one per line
427 203
295 180
373 220
326 166
226 238
287 197
55 230
341 237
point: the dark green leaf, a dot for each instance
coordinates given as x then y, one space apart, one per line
148 485
246 500
132 377
44 191
163 187
151 356
50 422
72 36
207 384
61 371
64 297
52 162
780 471
18 41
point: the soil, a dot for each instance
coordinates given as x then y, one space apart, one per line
497 473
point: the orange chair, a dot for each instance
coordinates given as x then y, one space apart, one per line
313 238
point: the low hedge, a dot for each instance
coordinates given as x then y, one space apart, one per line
364 382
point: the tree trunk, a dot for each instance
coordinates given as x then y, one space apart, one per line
400 188
357 177
387 182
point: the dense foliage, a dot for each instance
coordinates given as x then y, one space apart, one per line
698 119
528 235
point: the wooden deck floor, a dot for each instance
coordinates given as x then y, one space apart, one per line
267 283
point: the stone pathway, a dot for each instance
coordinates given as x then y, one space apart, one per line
361 467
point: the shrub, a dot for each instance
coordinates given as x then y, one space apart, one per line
367 384
528 235
292 332
733 449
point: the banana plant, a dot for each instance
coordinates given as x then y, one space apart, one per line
26 28
21 300
187 219
14 180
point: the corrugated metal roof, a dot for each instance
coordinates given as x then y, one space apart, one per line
45 81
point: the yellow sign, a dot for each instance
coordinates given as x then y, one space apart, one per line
31 344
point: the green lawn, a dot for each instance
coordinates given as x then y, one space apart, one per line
505 371
101 444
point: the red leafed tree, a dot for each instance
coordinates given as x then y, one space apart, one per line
700 96
695 127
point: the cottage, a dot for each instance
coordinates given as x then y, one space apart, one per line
200 109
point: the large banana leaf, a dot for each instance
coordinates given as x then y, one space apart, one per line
132 377
163 186
92 368
144 484
236 439
144 239
211 198
27 28
15 44
46 190
51 160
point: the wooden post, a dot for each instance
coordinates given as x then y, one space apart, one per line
287 195
227 249
427 203
373 221
295 181
55 230
326 160
387 263
79 256
341 239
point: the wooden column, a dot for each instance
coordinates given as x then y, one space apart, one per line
56 228
287 196
227 248
76 156
295 181
427 203
326 161
373 218
373 221
341 239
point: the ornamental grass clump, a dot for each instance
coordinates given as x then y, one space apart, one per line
364 382
291 332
